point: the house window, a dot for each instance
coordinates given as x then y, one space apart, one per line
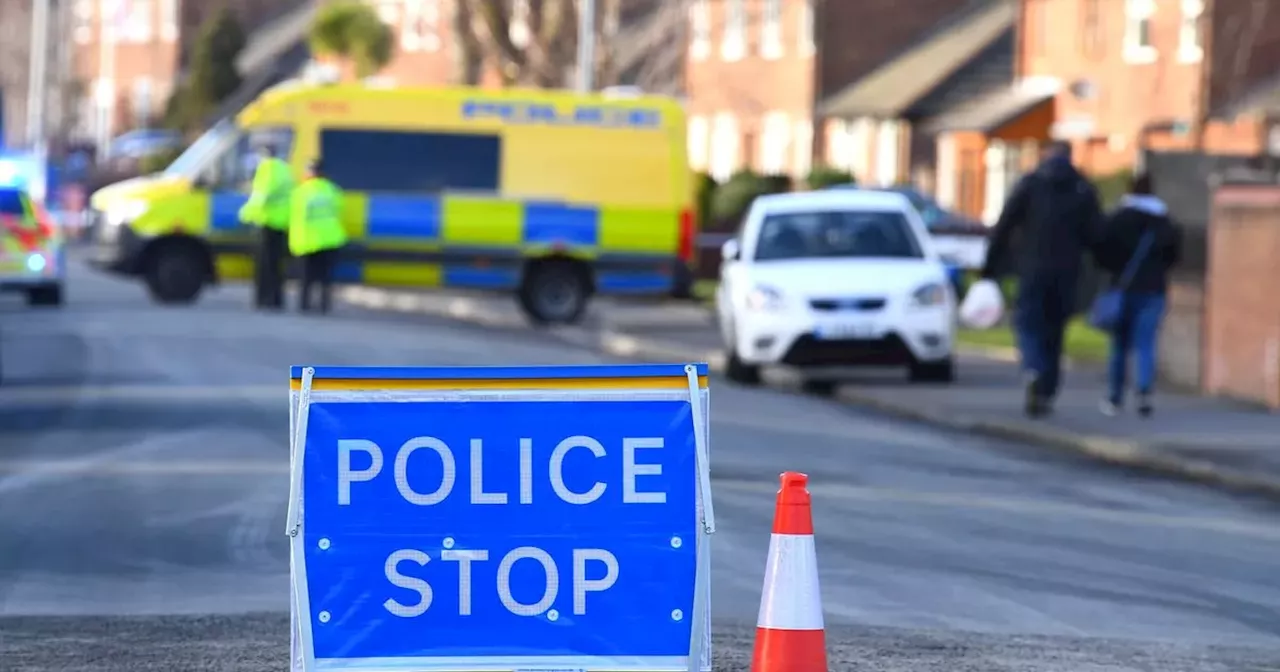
420 30
698 139
389 12
519 29
143 103
1091 28
887 151
774 143
803 147
1189 48
699 29
139 15
771 30
724 146
733 44
808 43
839 144
82 20
168 20
1139 15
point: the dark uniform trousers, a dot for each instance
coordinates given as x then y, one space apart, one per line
317 276
269 268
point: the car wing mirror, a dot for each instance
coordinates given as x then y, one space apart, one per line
731 250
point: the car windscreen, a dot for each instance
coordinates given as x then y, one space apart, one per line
11 203
836 234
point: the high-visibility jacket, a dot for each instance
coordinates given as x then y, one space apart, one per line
268 203
315 223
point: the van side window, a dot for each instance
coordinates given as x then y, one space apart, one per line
398 161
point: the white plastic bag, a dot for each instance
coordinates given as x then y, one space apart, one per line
983 305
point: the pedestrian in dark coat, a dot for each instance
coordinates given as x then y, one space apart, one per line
1054 214
1139 235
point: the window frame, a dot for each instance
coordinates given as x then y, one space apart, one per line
420 25
733 42
83 13
169 18
807 26
771 46
700 30
1139 16
1191 31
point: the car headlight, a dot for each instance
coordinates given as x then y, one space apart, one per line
932 294
764 298
36 263
127 211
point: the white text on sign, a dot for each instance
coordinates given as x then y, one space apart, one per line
581 584
631 471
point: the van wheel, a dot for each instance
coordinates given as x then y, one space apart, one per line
45 295
555 292
176 272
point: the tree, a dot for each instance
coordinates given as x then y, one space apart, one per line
213 75
353 31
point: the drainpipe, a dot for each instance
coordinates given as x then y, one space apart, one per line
1203 101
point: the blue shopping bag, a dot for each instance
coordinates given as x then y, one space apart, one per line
1108 308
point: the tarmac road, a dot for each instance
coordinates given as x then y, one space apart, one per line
143 483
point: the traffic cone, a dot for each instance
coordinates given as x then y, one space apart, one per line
789 630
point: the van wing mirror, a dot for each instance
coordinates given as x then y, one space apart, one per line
731 250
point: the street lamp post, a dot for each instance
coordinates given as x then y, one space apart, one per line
586 45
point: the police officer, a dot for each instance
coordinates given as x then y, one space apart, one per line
316 234
268 209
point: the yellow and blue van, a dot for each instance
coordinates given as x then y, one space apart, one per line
551 195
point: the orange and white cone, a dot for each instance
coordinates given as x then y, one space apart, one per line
789 631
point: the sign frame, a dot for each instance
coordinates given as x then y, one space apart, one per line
610 382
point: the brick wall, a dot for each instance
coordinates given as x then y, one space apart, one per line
1242 306
1181 338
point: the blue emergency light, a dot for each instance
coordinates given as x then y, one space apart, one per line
22 172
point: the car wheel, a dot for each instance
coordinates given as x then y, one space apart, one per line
45 295
555 292
933 372
740 372
819 388
176 272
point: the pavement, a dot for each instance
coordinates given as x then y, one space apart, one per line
143 487
1215 441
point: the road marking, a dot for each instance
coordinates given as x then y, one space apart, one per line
141 394
90 466
1015 505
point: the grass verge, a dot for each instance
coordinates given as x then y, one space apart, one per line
1083 342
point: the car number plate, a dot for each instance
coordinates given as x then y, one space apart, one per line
848 330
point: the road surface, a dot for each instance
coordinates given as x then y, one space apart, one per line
143 484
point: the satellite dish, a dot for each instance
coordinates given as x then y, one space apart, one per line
1084 89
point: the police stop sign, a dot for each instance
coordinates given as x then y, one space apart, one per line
523 518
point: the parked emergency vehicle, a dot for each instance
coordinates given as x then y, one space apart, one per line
551 195
31 244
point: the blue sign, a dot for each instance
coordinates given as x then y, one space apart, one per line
501 518
528 112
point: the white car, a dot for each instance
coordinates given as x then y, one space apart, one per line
832 279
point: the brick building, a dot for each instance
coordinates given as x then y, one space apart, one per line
132 52
757 71
1117 77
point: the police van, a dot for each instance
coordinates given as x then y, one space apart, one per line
551 196
31 245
